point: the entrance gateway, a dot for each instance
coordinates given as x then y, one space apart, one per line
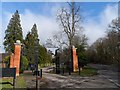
72 64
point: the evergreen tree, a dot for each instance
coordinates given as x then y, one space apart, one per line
31 44
44 57
29 48
13 32
35 34
82 57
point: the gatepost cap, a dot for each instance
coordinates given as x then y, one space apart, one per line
18 42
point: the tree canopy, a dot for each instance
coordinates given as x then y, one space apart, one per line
13 32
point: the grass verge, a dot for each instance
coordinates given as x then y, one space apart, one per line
88 71
7 82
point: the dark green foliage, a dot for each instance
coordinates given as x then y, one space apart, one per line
7 61
33 49
29 48
34 33
13 32
82 57
31 44
23 64
44 56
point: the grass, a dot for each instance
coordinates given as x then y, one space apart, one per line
88 71
45 65
7 80
20 82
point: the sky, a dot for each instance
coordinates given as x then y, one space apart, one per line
96 17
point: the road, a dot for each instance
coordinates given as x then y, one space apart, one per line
105 79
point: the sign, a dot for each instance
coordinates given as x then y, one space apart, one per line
9 72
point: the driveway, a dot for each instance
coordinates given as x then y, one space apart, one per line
105 79
109 72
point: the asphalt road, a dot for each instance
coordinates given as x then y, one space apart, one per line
105 79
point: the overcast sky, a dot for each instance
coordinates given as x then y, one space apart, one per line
96 16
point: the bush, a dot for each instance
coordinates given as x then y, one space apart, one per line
82 57
7 61
23 64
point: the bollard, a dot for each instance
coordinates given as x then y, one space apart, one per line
69 71
41 73
63 70
79 70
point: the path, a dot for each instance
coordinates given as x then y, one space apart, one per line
30 79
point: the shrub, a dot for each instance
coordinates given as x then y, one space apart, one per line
7 61
23 64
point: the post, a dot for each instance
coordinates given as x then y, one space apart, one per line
41 73
79 70
63 68
75 59
13 83
70 67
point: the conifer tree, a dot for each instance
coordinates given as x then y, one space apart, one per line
29 47
34 33
31 41
13 32
32 45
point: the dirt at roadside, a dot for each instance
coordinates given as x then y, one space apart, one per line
31 80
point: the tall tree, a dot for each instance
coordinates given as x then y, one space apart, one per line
34 33
31 41
114 39
32 45
107 49
29 47
13 32
69 20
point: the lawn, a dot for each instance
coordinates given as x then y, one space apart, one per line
7 82
88 71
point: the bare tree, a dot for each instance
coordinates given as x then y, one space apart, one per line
49 43
114 39
69 19
80 40
107 49
60 40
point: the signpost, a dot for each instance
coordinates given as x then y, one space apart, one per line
9 72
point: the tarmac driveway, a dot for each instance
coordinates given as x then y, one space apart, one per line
105 79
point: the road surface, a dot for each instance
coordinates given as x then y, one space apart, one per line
105 79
